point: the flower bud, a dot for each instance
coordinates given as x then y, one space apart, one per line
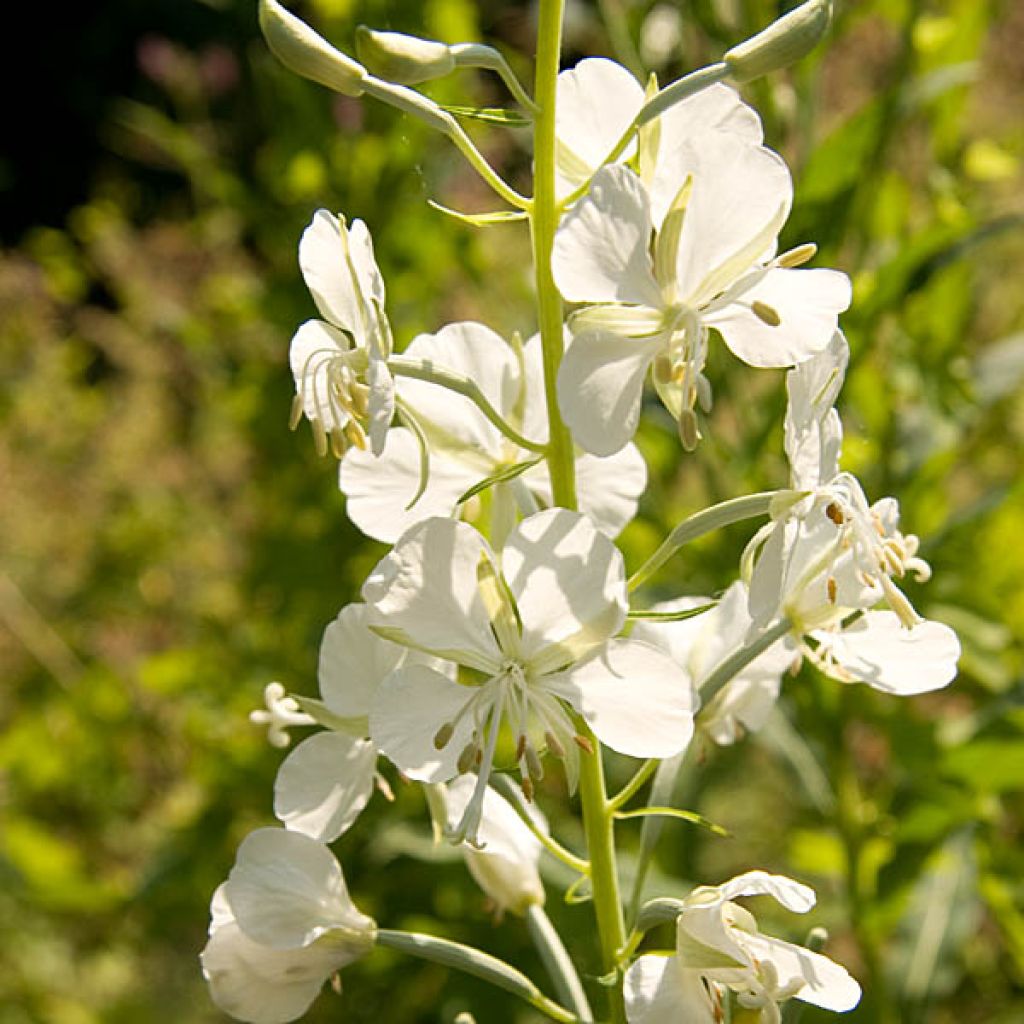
404 59
306 53
782 43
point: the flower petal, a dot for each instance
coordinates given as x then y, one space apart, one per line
425 594
379 490
660 990
600 387
353 663
609 488
596 102
569 582
808 304
636 699
381 403
411 706
878 650
601 251
794 896
323 785
286 890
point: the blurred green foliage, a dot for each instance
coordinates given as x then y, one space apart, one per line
168 547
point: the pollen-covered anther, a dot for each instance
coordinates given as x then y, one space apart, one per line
533 766
689 432
521 747
443 736
355 435
526 785
830 586
765 313
583 743
664 369
899 603
319 437
798 256
835 513
554 745
469 757
339 443
295 414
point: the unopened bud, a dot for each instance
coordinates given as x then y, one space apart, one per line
765 313
404 59
782 43
306 53
797 257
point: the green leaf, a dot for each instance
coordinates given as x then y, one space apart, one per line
679 616
480 220
674 812
490 115
501 476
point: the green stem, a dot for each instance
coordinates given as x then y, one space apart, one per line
558 963
543 224
631 788
714 518
739 660
402 366
474 961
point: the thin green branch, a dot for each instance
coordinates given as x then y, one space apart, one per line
635 784
739 660
559 965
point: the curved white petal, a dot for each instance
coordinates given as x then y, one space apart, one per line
717 108
287 890
740 197
813 386
381 403
425 594
822 982
411 706
636 699
609 488
313 347
601 251
379 490
596 102
660 990
323 785
600 388
878 650
569 582
353 663
260 985
505 866
808 304
793 895
451 421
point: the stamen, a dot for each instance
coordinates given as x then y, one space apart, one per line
468 757
319 437
339 446
356 435
835 513
443 736
798 256
765 313
583 743
295 416
689 432
527 787
554 745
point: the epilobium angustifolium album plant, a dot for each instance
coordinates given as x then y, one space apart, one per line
501 639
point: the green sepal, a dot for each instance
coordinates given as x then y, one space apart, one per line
490 115
501 476
679 616
480 220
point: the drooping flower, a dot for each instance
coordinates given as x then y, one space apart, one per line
281 925
505 865
464 447
534 629
342 381
700 644
719 946
711 268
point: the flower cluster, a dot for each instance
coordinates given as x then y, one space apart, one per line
495 643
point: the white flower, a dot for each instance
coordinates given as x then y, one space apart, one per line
718 944
700 644
280 926
505 866
342 380
535 630
465 447
710 268
324 784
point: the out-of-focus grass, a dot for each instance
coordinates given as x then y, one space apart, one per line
168 547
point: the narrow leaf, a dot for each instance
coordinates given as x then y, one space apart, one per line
490 115
480 220
674 812
679 616
501 476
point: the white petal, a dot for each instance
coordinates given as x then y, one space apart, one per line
825 983
313 347
286 890
609 488
323 785
717 108
808 303
260 985
379 490
353 663
411 706
600 388
381 402
452 421
506 866
596 102
791 894
601 251
659 990
636 699
340 272
879 651
813 386
569 582
425 593
679 640
741 706
741 195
